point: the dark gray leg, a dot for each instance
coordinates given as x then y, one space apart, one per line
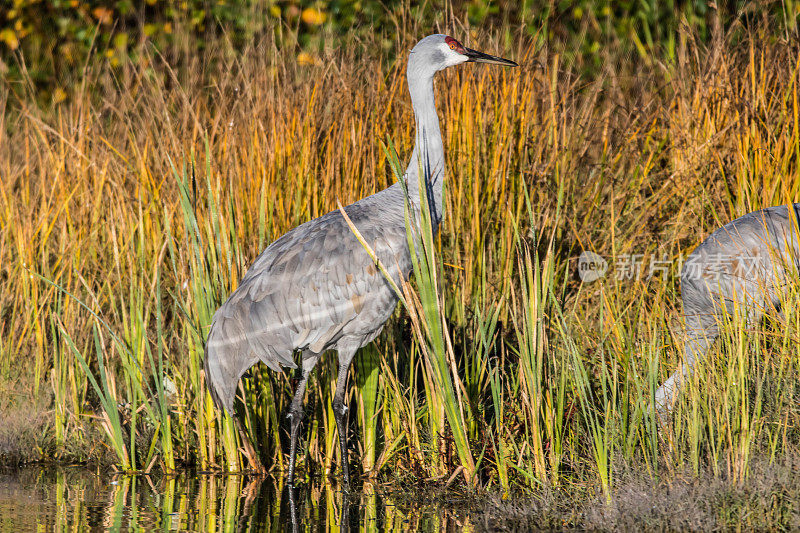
665 395
293 508
340 410
296 411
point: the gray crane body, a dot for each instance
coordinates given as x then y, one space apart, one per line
316 288
745 266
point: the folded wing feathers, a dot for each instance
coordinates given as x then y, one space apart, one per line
298 295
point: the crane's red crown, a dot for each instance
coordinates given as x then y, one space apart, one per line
454 45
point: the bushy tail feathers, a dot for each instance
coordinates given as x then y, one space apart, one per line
224 363
212 382
230 350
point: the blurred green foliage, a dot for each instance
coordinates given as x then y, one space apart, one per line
49 41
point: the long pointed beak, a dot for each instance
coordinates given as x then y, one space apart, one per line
479 57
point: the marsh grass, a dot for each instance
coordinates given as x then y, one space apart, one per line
130 212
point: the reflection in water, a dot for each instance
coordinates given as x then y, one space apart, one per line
76 500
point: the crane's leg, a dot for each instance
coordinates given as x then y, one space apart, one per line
696 346
296 410
293 508
701 331
701 311
340 409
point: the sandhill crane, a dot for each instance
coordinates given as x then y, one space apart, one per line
747 263
316 288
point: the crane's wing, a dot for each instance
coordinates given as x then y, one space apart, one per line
300 294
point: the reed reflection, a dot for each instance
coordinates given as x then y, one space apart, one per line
75 500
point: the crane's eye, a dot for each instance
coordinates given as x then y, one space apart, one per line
453 44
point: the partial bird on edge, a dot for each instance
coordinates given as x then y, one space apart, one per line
748 266
316 288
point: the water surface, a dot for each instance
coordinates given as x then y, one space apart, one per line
73 499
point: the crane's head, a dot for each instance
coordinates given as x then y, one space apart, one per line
437 52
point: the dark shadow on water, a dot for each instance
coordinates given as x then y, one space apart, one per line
72 499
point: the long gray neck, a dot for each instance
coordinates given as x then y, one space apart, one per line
427 159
